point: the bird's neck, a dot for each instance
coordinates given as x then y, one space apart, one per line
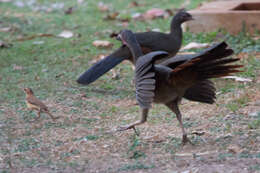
176 30
136 51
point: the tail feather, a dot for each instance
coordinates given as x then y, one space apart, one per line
203 91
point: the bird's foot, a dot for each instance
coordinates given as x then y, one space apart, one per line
54 118
35 119
132 126
186 140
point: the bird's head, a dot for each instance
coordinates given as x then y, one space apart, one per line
128 39
126 36
28 91
183 16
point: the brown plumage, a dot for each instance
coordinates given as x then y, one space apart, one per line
34 103
178 77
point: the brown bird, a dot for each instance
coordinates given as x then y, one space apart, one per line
149 41
168 82
34 103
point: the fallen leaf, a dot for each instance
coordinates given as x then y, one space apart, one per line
69 10
17 67
80 1
136 16
198 133
133 4
170 12
36 78
6 29
66 34
34 36
115 74
256 38
103 7
4 44
156 139
97 58
156 30
239 79
194 45
113 34
234 149
102 43
111 16
154 13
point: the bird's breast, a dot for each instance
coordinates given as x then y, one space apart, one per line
31 106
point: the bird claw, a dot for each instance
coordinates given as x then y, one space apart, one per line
186 140
123 128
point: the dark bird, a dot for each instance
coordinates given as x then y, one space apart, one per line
149 41
168 82
34 103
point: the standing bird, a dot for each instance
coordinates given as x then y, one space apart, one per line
149 41
34 103
168 82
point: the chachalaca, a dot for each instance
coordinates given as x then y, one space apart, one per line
167 84
34 103
149 41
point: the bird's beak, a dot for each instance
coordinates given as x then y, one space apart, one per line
190 18
98 69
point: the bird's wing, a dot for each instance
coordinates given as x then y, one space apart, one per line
145 78
34 101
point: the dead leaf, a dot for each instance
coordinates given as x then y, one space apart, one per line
80 1
239 79
136 16
198 133
156 139
69 10
34 36
170 12
194 45
66 34
133 4
113 34
6 29
102 43
17 67
116 74
256 38
111 16
234 149
36 78
154 13
103 7
97 58
4 44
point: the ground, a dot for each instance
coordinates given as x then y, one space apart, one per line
83 139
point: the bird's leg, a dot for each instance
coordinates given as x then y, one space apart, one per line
39 115
52 117
174 107
132 126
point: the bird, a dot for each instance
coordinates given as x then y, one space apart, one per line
149 41
166 83
33 103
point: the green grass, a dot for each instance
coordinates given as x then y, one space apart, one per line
88 112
